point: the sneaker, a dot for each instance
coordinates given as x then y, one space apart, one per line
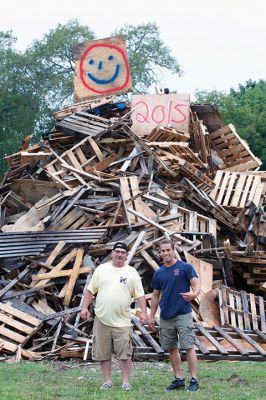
193 385
178 383
106 386
126 386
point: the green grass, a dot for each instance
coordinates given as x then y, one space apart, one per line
73 381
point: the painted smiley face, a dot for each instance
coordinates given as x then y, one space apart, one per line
104 68
100 67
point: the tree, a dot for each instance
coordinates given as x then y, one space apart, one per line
38 82
246 109
147 54
18 101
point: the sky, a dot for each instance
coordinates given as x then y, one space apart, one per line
218 44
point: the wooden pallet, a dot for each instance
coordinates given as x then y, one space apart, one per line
164 134
16 327
201 143
83 123
233 150
234 189
214 343
200 198
70 169
242 310
84 105
131 197
175 153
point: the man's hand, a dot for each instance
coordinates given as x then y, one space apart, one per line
143 318
85 314
188 296
151 323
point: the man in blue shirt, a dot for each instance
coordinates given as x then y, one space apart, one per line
171 285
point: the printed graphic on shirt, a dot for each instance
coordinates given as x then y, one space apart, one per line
123 280
176 272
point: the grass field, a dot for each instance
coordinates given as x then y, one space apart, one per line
72 380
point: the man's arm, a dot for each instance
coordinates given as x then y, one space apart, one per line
142 303
196 288
154 305
87 300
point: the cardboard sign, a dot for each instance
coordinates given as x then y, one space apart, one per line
151 110
102 68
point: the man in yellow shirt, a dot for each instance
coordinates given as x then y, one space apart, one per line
115 283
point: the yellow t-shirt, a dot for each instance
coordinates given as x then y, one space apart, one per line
115 288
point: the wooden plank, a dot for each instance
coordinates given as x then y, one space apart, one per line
225 307
253 311
211 339
223 188
15 324
102 165
96 148
59 274
73 160
238 191
56 251
136 244
262 314
240 313
73 277
221 308
247 189
20 314
147 336
228 195
80 155
16 337
217 179
252 342
69 257
162 228
8 346
126 197
233 342
245 309
204 271
14 281
150 260
232 313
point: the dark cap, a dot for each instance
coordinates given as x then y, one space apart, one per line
120 245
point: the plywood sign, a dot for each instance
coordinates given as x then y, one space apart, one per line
152 110
102 68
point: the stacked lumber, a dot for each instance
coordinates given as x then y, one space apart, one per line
94 180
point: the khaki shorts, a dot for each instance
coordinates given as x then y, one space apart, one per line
108 340
177 332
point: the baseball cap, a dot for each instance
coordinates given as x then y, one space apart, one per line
120 245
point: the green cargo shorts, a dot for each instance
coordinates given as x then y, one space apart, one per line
177 332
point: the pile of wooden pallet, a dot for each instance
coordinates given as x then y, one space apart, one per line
93 180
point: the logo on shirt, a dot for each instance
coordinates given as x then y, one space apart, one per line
123 280
176 272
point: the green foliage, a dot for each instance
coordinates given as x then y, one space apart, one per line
70 381
19 102
246 109
52 67
147 54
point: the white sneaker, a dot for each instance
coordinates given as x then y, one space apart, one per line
126 386
106 386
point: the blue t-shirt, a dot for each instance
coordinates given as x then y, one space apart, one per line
172 281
